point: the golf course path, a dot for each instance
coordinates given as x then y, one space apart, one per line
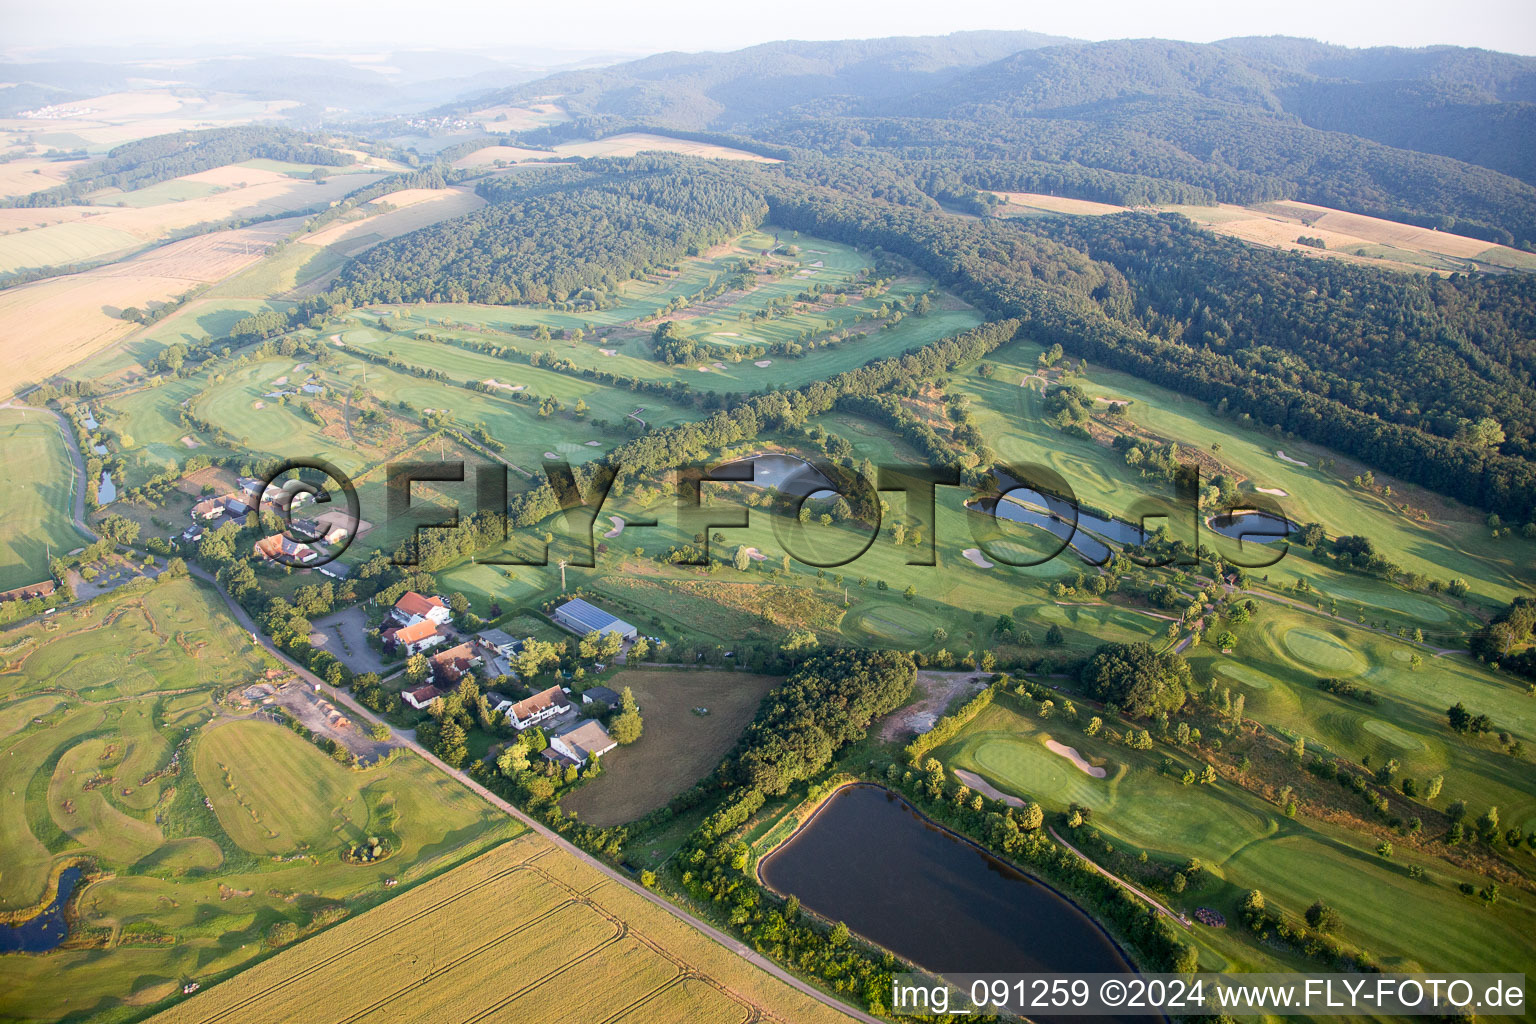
1159 907
342 697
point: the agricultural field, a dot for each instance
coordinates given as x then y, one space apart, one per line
680 745
1348 236
60 321
565 944
38 514
1244 841
202 825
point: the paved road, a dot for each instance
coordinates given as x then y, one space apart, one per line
729 942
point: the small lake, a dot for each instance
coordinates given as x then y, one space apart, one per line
106 491
870 860
1260 527
780 472
46 930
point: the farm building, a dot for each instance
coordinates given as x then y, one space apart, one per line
582 618
417 636
413 607
600 695
421 697
541 707
336 570
277 544
449 665
577 744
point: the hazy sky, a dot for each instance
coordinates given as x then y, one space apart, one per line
636 25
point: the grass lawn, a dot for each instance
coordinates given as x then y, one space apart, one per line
1247 843
1279 658
678 746
1454 543
37 516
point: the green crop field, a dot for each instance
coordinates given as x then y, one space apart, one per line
36 518
112 738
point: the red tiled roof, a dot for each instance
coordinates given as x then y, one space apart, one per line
416 631
413 603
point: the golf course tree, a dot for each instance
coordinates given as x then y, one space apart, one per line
1138 678
627 725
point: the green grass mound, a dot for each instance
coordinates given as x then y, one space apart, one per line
1024 766
1400 738
892 623
1245 675
1322 651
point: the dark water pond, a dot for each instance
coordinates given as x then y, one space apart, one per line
786 473
46 930
1260 527
870 860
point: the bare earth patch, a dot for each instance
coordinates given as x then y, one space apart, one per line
937 690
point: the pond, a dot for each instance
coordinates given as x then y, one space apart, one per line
106 491
870 860
46 930
1259 527
780 472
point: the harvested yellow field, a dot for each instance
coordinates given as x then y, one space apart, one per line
53 324
91 234
524 932
631 143
20 177
414 208
1057 204
507 118
490 154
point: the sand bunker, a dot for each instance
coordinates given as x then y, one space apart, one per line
189 441
550 455
1286 458
756 555
763 362
718 366
702 369
259 405
593 444
726 334
974 554
986 788
608 351
1277 492
281 380
1071 754
618 526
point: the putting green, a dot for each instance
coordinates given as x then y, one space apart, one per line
1245 675
892 622
1400 738
1026 767
1322 651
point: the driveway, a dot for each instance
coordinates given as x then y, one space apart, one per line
345 634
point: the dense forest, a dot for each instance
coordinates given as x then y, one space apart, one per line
551 233
1432 137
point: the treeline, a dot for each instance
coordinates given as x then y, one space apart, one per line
1063 295
546 237
146 162
670 447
